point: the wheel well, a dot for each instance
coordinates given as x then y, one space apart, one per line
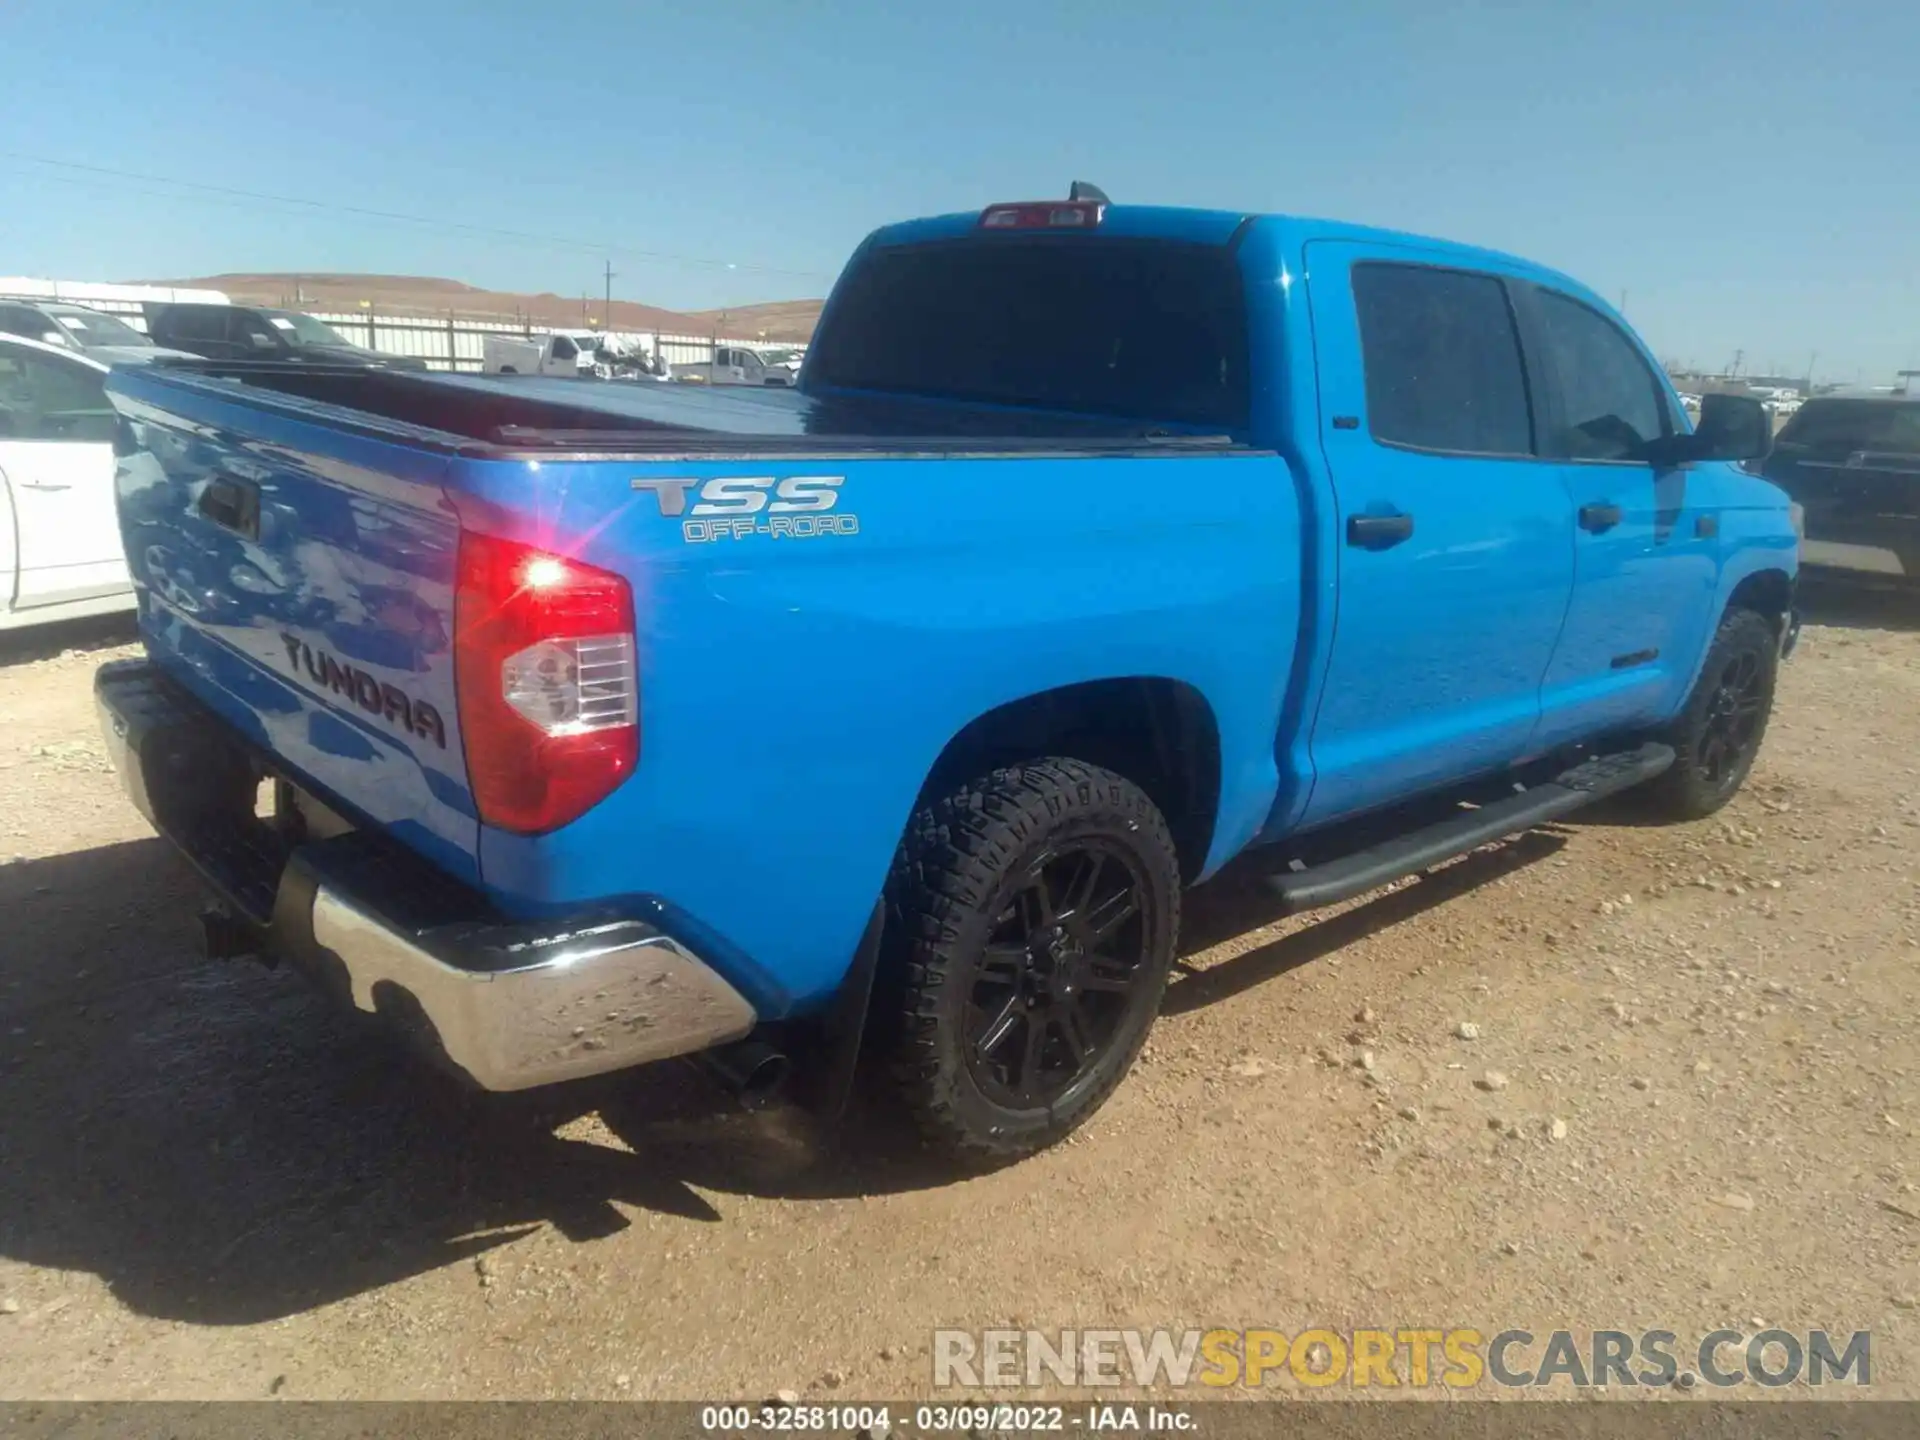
1766 592
1159 733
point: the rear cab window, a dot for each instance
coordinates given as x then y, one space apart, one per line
1132 328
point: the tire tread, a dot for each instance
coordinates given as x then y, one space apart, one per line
953 857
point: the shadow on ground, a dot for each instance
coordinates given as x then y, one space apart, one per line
222 1147
43 642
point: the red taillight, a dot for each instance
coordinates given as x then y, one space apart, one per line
1044 215
549 691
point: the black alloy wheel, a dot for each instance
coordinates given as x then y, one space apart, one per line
1052 985
1716 736
1734 717
1031 920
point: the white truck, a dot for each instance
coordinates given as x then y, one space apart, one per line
734 365
563 352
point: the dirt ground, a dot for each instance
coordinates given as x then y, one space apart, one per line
212 1186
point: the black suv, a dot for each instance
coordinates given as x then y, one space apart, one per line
1852 463
246 332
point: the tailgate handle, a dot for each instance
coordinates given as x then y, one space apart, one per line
233 505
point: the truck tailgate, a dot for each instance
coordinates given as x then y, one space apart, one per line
299 581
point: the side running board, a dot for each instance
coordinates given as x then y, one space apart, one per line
1409 854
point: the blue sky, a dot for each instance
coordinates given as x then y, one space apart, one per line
1745 172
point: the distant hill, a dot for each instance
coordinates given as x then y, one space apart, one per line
787 320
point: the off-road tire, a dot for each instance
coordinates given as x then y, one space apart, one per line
1694 787
965 864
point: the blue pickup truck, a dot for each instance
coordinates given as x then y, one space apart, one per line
873 730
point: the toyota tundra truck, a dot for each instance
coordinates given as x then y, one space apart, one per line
874 729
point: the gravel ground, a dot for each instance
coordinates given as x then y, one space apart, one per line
1689 1101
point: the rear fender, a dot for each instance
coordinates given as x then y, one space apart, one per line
798 682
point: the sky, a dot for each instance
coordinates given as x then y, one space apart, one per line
1745 174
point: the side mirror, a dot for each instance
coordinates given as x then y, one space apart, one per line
1732 427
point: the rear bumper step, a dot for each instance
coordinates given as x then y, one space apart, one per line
1409 854
511 1005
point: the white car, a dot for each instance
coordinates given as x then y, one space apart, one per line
60 550
74 327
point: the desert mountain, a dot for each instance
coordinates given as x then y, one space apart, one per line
789 320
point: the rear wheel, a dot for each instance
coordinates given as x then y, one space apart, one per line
1032 916
1718 734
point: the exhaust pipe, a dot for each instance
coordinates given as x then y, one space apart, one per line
751 1070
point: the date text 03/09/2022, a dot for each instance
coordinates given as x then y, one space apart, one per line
876 1421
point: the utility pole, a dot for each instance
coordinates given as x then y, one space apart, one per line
606 318
1810 363
1738 356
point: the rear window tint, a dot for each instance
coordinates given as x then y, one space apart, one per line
1442 361
1843 426
195 323
1154 330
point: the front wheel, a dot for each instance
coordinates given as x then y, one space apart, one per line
1031 923
1718 734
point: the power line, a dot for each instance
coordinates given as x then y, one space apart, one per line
369 213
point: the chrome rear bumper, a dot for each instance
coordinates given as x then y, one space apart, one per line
588 1001
512 1005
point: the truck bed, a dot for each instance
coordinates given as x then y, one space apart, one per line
505 416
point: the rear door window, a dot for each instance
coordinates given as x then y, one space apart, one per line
1442 359
19 320
251 332
44 398
1147 329
194 323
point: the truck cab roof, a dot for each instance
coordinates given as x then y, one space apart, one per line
1227 227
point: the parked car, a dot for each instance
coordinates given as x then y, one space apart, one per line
75 327
568 353
60 555
248 332
785 359
896 712
733 365
1851 461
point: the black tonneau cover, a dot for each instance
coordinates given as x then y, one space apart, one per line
530 413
